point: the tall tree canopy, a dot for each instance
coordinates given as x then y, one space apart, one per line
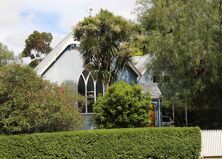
5 54
36 45
186 38
105 44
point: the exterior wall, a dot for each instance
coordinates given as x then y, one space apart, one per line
69 66
146 78
127 75
158 112
87 121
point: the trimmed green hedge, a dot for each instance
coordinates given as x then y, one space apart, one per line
153 143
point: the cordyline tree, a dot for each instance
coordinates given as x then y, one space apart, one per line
5 54
36 45
105 44
186 39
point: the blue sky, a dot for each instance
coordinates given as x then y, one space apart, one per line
46 21
19 18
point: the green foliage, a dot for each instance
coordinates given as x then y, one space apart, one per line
37 42
71 85
186 39
34 63
123 106
29 104
5 54
138 42
105 44
153 143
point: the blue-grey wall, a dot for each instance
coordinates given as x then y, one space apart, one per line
147 78
127 75
67 67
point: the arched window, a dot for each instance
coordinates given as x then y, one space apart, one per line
90 94
82 92
89 88
81 86
99 88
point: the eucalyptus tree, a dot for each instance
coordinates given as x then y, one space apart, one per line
105 40
186 39
36 45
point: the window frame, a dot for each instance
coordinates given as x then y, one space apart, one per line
86 82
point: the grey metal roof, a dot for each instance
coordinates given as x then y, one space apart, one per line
138 63
153 89
52 56
141 62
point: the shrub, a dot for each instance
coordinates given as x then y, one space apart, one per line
5 55
29 104
153 143
122 106
35 63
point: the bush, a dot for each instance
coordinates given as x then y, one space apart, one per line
35 63
153 143
122 106
5 55
29 104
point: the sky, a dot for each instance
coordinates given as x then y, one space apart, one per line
19 18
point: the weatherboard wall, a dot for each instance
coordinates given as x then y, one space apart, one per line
67 67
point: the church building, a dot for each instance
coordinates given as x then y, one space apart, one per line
64 63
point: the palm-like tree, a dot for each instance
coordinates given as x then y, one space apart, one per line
104 46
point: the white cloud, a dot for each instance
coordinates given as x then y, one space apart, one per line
15 27
57 38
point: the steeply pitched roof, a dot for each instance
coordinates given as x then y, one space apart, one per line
138 64
141 62
54 54
153 89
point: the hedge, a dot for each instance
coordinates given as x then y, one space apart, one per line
152 143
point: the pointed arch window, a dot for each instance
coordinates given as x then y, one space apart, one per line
81 91
89 88
99 88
